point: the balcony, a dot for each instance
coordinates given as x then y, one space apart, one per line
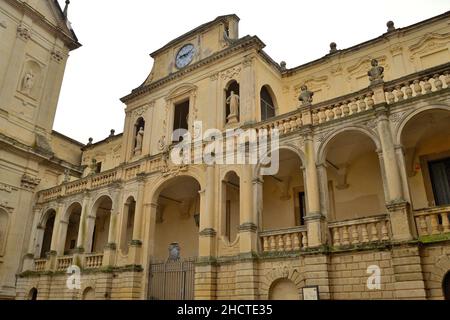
285 240
89 261
433 223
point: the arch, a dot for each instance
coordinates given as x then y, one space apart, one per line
4 226
446 286
33 294
88 294
282 272
268 103
288 147
284 289
49 220
401 126
128 224
98 230
102 196
181 90
70 229
439 274
322 150
45 214
230 206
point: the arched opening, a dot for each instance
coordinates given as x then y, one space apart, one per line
176 226
446 286
73 226
3 229
284 194
32 295
48 233
267 103
88 294
230 206
128 224
284 289
425 139
354 177
102 209
230 116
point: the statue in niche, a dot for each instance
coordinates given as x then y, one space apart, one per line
376 74
233 100
306 96
139 139
174 252
28 82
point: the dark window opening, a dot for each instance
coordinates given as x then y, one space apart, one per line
446 286
233 86
48 234
99 167
440 180
267 105
302 209
33 294
73 243
181 119
228 220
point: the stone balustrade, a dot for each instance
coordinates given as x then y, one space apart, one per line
343 107
63 263
93 261
104 179
40 265
285 123
415 85
433 221
360 231
286 240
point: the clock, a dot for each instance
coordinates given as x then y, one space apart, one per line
185 56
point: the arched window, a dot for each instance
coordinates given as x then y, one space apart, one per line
48 234
3 229
88 294
267 104
232 87
32 295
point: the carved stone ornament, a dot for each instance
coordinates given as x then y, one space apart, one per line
174 252
231 73
23 32
376 74
306 96
57 56
29 182
6 188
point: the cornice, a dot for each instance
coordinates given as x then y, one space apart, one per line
245 42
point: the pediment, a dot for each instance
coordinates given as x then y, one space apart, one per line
181 90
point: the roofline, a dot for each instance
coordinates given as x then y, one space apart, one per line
193 31
68 138
89 146
368 42
241 43
64 19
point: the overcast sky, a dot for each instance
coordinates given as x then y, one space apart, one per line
118 36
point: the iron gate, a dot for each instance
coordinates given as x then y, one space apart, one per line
172 280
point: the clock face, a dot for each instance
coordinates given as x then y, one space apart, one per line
185 56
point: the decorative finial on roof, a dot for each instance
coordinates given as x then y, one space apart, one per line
333 47
283 65
391 26
66 9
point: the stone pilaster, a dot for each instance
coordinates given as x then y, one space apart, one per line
317 274
248 228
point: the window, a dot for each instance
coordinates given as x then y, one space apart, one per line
99 167
267 105
302 209
440 180
181 119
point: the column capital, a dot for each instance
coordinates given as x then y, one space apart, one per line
208 232
248 227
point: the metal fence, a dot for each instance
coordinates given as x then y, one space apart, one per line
172 280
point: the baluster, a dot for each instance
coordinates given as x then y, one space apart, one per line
447 78
399 93
266 244
280 244
287 126
384 231
354 106
355 235
437 82
445 222
434 224
362 104
427 85
304 239
280 126
316 119
417 87
322 115
408 90
338 111
345 109
288 244
336 237
299 121
374 233
293 123
273 244
423 225
345 237
297 244
330 114
364 233
390 97
370 101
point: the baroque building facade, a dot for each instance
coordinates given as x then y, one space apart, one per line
362 188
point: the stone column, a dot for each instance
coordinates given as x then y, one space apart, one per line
83 232
148 252
248 228
401 223
109 254
135 252
314 218
28 263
